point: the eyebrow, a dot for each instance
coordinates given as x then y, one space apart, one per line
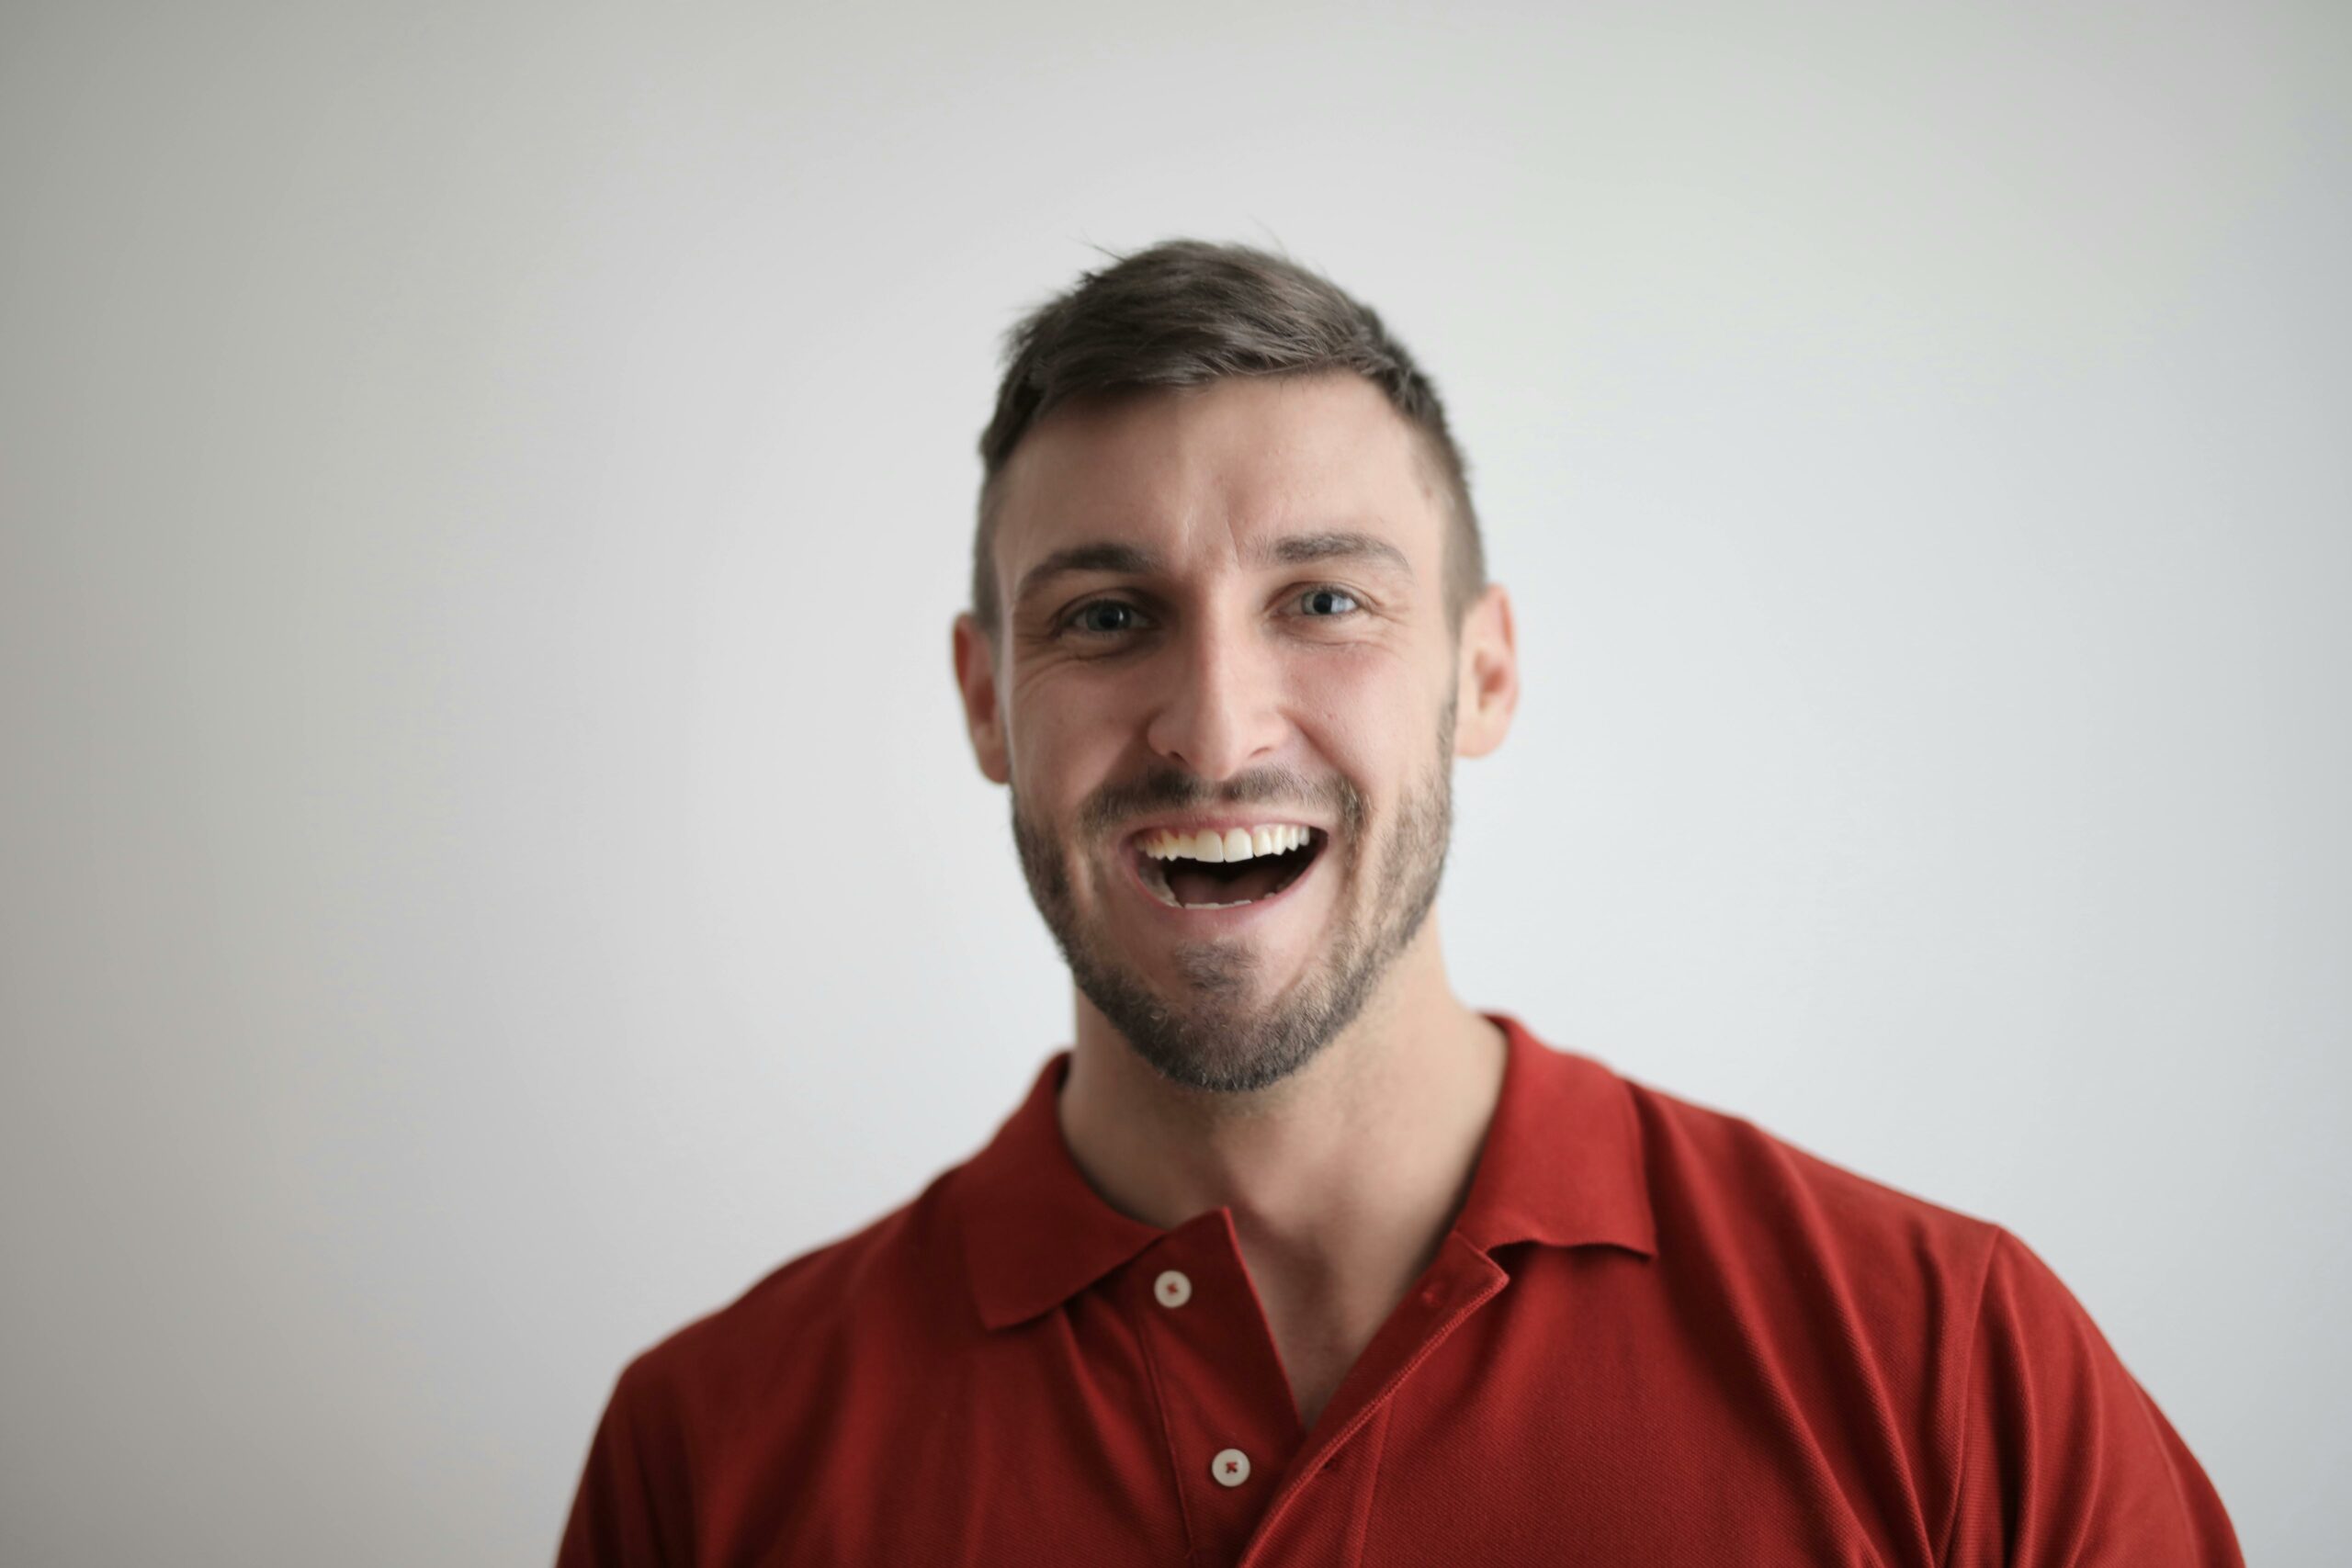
1299 549
1124 558
1292 549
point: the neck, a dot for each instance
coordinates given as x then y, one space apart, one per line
1348 1172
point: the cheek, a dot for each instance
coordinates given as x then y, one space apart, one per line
1061 745
1366 713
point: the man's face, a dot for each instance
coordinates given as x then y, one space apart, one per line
1225 627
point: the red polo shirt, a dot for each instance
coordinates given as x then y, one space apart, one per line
1654 1335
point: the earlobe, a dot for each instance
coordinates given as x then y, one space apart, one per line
975 656
1488 663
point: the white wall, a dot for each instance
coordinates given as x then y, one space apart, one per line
489 864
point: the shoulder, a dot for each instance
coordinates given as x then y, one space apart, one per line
873 1296
2065 1456
716 1402
2029 1433
1720 1183
1850 1293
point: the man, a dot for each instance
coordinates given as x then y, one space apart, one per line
1293 1258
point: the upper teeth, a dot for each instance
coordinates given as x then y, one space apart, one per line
1233 843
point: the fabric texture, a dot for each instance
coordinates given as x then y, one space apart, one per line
1655 1335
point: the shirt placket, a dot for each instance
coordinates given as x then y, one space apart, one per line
1320 1511
1230 1423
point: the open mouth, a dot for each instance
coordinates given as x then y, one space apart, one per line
1225 869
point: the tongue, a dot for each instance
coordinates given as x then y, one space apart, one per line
1193 882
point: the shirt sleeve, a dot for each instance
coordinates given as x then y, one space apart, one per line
632 1508
2064 1458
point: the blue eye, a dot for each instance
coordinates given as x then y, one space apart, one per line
1324 603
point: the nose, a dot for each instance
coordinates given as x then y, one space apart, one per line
1217 710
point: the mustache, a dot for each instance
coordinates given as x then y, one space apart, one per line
1172 789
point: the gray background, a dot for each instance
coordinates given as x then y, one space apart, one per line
489 862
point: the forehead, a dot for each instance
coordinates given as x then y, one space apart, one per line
1200 475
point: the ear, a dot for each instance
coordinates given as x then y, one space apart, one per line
1487 672
983 715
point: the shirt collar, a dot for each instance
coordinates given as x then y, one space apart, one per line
1562 1166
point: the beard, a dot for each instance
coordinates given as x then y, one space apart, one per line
1214 1032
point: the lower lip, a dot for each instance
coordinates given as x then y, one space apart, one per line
1197 918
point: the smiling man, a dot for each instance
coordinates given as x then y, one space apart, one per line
1292 1257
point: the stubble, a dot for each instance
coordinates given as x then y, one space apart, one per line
1214 1033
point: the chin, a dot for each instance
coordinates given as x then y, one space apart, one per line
1217 1027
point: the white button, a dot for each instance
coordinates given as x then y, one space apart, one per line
1231 1467
1173 1291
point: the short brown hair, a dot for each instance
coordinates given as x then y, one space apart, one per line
1187 312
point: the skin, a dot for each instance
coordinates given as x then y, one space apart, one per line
1231 670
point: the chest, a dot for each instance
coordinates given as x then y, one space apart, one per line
1481 1423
